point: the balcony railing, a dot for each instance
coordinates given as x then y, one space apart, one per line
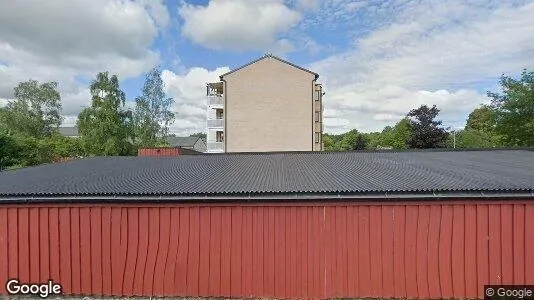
215 100
215 123
215 146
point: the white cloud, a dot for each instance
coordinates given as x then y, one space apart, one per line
441 53
189 93
65 41
239 24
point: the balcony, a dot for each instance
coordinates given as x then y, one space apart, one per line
215 123
215 100
215 146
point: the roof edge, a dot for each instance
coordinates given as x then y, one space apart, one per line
284 197
271 56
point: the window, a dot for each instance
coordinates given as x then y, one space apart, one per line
317 95
219 114
317 137
220 137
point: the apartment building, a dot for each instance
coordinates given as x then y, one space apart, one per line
266 105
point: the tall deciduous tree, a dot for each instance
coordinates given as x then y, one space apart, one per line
514 110
426 130
360 142
152 111
35 111
106 127
481 119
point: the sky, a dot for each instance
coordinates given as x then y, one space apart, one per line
376 59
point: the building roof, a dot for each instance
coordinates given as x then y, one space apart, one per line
270 175
270 56
186 141
68 131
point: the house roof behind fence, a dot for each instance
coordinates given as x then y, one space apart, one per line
278 173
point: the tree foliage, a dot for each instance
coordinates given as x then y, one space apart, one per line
9 151
481 119
360 142
106 128
514 110
426 130
152 114
35 111
470 138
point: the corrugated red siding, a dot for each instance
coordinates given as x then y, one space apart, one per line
438 250
158 152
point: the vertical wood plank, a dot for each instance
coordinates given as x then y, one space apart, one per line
204 251
422 251
445 251
364 252
75 249
434 229
507 243
342 251
85 250
106 251
471 289
142 251
495 268
131 269
529 243
279 252
353 246
458 248
96 250
410 260
258 253
482 248
193 260
388 290
270 248
330 267
246 253
226 250
182 256
34 244
4 250
153 245
519 244
398 244
24 245
170 265
163 248
215 252
375 238
44 244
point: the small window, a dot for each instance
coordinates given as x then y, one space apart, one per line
317 95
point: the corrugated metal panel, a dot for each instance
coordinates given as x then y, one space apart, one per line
341 172
308 251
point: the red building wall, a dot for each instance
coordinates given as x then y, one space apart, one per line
402 250
158 152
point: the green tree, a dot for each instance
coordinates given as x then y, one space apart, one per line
426 132
329 143
9 151
514 110
106 128
348 140
35 111
152 114
481 119
470 138
360 142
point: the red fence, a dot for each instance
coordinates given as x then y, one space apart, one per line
437 250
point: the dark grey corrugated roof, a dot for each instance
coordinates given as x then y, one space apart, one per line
326 172
178 141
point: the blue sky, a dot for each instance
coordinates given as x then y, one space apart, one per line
376 59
